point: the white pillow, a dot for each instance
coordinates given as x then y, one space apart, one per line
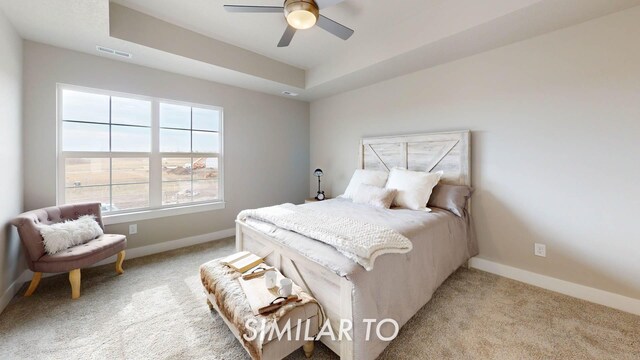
414 187
367 177
61 236
375 196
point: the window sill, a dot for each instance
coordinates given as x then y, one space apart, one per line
159 213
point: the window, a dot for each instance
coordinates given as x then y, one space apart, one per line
138 154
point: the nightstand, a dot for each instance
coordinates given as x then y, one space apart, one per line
312 200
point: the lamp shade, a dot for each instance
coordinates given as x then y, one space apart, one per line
318 172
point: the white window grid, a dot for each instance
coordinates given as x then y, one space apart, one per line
155 156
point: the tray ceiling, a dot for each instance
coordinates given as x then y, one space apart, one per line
200 39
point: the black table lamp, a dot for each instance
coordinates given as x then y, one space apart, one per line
320 194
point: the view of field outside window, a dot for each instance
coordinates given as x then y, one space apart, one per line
107 151
194 131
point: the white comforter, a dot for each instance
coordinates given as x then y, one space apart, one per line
359 241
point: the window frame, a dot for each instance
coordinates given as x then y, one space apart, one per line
155 209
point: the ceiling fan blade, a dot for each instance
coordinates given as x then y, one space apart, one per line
287 36
253 9
326 3
335 28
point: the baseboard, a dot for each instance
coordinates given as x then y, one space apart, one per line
11 291
582 292
171 245
131 254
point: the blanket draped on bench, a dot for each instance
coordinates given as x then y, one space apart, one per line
222 282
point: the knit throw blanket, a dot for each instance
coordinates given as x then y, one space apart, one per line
357 240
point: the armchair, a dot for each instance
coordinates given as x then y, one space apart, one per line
72 259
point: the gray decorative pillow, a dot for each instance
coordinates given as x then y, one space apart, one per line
450 197
375 196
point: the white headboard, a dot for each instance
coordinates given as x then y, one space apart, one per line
446 151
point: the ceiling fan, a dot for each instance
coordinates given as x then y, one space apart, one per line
300 15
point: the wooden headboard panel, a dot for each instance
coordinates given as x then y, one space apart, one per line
446 151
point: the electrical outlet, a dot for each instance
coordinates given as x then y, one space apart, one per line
133 229
540 250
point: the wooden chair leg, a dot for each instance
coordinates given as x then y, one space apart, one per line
74 279
119 262
308 348
34 283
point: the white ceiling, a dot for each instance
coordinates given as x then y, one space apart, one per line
391 37
373 21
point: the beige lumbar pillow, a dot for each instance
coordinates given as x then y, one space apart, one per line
61 236
414 187
375 196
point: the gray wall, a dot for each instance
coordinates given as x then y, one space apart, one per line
266 137
11 258
556 140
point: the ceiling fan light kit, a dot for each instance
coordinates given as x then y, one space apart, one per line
301 14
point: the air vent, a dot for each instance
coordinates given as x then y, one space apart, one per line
110 51
289 93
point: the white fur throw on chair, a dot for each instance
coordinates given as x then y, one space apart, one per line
61 236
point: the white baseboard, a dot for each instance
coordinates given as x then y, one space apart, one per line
171 245
131 254
590 294
11 291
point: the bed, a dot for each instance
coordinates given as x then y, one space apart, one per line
399 284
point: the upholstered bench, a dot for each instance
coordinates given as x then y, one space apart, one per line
225 295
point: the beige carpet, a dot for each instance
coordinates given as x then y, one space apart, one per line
157 310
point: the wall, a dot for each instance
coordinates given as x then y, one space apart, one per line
555 144
11 257
266 137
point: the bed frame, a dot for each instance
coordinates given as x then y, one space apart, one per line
447 151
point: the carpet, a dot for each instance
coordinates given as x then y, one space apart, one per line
157 310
